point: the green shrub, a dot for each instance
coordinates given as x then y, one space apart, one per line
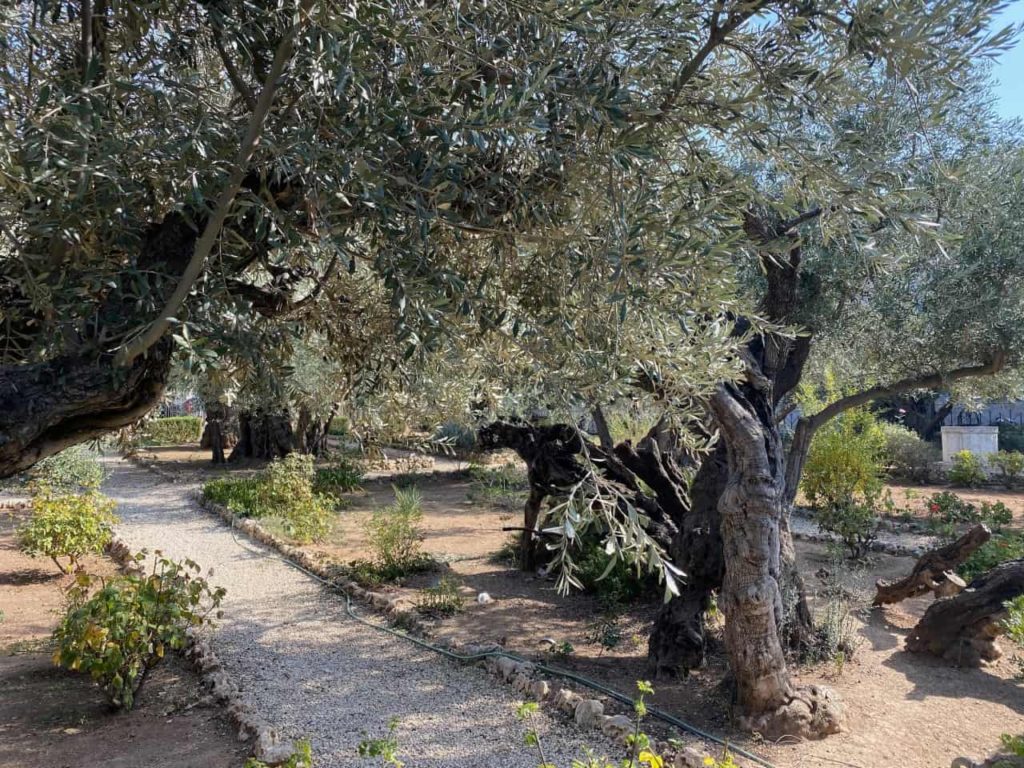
1003 546
121 630
966 470
73 470
1010 465
342 476
1013 625
505 487
452 436
614 585
1011 437
442 599
67 526
302 757
842 478
282 492
241 495
907 455
172 430
394 535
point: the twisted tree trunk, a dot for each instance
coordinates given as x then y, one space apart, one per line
931 568
752 508
964 628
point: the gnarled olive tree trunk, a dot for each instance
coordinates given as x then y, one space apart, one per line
752 512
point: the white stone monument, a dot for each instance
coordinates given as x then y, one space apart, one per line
981 441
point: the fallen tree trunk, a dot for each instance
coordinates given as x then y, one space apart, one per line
964 628
932 568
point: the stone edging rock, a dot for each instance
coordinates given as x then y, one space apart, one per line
885 547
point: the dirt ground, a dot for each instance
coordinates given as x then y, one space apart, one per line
51 718
902 709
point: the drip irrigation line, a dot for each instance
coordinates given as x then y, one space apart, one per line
622 698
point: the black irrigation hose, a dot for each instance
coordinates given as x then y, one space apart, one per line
564 674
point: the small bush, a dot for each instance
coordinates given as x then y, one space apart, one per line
442 599
120 631
241 495
73 470
505 487
67 526
342 476
394 534
907 455
282 492
1013 625
966 470
614 586
842 478
1010 465
172 430
1003 546
302 757
452 436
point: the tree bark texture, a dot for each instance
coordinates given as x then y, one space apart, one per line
751 509
930 569
964 629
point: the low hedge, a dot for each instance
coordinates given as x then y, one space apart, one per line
173 430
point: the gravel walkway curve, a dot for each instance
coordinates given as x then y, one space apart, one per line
312 672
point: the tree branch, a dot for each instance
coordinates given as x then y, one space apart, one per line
233 74
927 381
211 232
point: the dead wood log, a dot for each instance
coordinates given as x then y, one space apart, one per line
932 568
964 628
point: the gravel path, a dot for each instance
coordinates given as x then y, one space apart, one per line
313 672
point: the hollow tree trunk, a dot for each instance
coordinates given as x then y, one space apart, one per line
964 628
751 509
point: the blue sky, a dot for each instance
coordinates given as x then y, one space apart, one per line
1009 69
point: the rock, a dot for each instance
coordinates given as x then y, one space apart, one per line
589 713
522 682
505 667
483 598
617 727
567 700
540 689
690 758
269 750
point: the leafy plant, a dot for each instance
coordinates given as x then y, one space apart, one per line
385 747
172 430
1003 546
73 470
118 632
967 470
1010 465
505 487
842 478
607 576
641 755
947 510
1013 625
442 599
394 534
282 492
907 455
302 757
65 525
342 476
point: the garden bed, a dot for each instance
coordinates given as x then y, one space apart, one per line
55 718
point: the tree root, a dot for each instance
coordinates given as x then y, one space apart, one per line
813 712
